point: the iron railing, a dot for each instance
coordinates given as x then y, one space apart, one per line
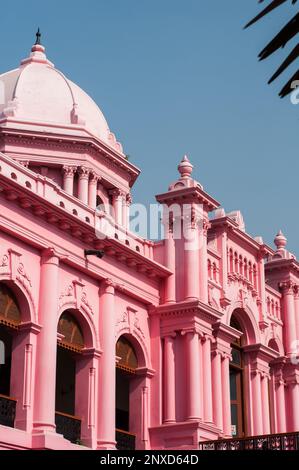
288 441
7 411
69 426
124 440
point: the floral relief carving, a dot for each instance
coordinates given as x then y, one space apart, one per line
85 301
73 293
22 272
5 261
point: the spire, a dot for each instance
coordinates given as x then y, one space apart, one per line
280 241
185 167
38 36
37 54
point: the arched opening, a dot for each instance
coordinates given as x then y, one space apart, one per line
127 364
236 380
10 318
69 356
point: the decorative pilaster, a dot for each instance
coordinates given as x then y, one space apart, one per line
266 404
169 379
191 256
257 402
207 380
68 179
83 184
106 403
169 246
226 396
217 389
44 412
279 396
203 258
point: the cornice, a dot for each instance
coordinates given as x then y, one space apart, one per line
188 308
189 194
69 142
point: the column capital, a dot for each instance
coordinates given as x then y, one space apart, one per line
84 172
191 331
50 256
69 170
286 287
94 178
129 198
296 290
116 193
169 336
108 286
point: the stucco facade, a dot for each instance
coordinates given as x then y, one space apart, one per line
183 311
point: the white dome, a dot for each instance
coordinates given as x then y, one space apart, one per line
38 93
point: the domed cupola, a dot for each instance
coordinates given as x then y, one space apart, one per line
36 96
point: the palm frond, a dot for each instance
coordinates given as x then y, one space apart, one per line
288 32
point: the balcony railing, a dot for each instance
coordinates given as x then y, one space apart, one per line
124 440
69 426
288 441
7 411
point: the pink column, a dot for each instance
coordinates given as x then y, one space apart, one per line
280 403
44 411
68 179
226 396
203 261
296 292
207 380
92 190
289 316
126 201
106 403
257 412
266 405
83 184
193 376
117 205
293 400
169 379
217 389
170 296
191 261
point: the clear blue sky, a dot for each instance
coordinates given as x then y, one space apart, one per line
175 77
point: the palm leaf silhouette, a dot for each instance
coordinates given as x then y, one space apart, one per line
288 32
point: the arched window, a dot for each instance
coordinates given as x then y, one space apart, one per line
237 383
126 353
10 317
72 334
9 310
127 364
68 358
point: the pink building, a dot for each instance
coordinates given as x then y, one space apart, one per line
155 345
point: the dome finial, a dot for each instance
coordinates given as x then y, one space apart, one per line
38 36
280 241
185 167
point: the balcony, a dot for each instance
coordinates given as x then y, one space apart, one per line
7 411
69 426
288 441
124 440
